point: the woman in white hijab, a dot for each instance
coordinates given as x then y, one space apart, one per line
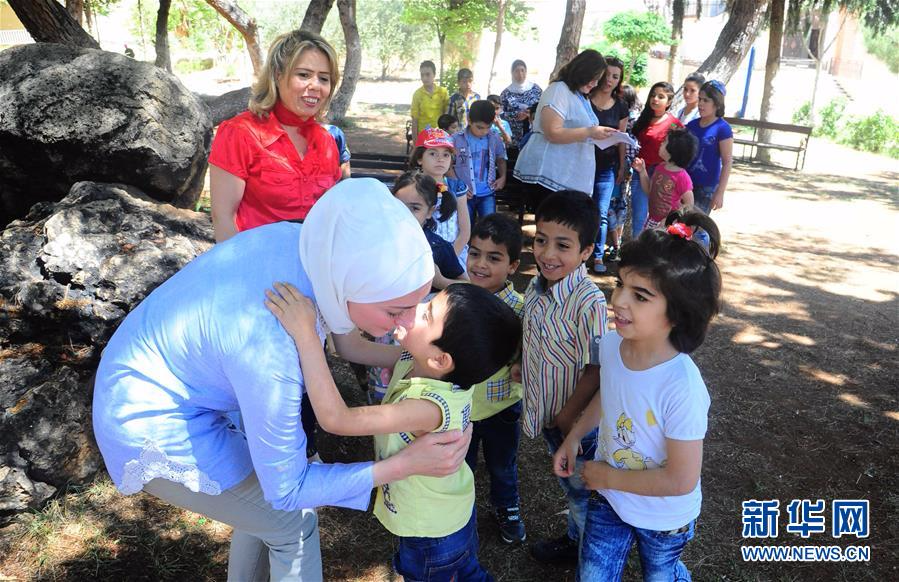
517 98
203 345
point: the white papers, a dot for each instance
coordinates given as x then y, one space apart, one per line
615 138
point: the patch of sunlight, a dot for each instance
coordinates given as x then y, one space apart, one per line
853 400
822 376
749 335
798 339
859 290
376 573
771 345
891 414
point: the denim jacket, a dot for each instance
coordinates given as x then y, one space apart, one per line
464 166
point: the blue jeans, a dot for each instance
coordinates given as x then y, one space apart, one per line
573 486
607 541
702 199
602 194
450 558
480 206
500 434
639 204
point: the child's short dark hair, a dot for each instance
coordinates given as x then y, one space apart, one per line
682 145
502 230
573 209
483 111
445 121
684 271
496 100
480 333
464 74
428 65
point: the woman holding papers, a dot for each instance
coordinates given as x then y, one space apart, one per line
559 155
612 112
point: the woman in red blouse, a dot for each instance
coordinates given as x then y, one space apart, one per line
274 161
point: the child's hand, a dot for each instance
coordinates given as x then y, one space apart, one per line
639 165
595 475
295 311
622 174
565 458
498 184
470 195
515 372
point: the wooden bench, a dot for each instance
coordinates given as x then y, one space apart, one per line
754 144
383 167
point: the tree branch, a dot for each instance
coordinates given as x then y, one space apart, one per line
245 25
48 21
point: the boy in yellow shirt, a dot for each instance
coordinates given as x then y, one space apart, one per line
459 338
429 101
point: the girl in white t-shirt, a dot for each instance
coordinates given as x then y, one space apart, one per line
651 407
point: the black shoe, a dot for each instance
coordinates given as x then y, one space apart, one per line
555 550
613 254
511 528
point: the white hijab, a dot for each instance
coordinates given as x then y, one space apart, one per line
520 87
361 244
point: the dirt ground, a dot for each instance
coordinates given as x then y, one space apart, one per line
801 366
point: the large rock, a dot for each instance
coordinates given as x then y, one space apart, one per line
70 114
69 271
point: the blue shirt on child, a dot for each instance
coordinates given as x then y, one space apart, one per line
706 167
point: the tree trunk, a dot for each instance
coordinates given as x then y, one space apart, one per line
677 34
351 67
441 40
245 25
735 40
48 21
500 24
772 66
316 14
570 38
163 61
75 8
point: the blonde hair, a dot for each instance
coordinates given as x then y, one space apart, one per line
282 57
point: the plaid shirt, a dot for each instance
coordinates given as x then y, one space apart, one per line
560 324
499 392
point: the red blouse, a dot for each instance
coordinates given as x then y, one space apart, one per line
280 185
652 137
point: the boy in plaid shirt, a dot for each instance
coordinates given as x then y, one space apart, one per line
493 257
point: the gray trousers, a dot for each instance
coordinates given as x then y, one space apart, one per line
266 543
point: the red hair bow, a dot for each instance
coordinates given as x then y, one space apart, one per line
682 230
441 187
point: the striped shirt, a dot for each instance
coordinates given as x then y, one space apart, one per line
498 392
560 323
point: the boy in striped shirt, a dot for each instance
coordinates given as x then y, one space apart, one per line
564 314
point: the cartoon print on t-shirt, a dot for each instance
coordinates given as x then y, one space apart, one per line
628 457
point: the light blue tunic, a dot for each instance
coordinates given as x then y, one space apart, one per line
200 346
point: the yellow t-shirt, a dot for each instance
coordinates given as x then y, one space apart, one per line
428 107
419 506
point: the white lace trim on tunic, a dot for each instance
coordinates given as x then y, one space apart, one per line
154 463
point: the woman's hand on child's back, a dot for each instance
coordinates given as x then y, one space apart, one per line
295 311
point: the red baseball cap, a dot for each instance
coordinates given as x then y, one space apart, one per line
434 138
